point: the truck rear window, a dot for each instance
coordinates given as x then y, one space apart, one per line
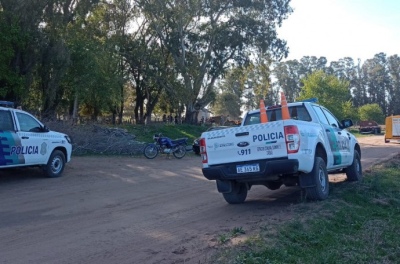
298 112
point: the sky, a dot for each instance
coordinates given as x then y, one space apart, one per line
342 28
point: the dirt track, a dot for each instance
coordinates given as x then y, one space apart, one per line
133 210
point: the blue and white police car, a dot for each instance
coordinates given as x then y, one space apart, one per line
25 141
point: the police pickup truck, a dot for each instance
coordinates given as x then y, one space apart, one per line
25 141
290 144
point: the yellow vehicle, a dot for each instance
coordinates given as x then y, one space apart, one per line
392 131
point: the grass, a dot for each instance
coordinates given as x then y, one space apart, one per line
235 232
360 223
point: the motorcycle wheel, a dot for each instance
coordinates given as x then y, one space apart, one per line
180 152
150 151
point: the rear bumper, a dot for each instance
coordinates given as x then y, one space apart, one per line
268 168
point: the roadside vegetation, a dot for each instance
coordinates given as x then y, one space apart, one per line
145 133
359 223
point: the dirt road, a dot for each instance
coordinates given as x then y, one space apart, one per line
133 210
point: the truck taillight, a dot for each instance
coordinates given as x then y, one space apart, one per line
203 150
292 138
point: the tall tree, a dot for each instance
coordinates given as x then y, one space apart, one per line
205 37
288 75
377 80
330 91
394 92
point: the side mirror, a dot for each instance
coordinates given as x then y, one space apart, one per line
347 123
45 129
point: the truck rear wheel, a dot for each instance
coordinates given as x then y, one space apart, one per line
319 175
238 194
55 165
354 171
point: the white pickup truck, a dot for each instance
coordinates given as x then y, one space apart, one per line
300 150
25 141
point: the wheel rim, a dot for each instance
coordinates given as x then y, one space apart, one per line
150 151
322 179
56 165
180 152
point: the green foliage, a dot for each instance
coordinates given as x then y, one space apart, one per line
12 37
227 104
235 232
349 111
204 41
371 112
331 92
358 224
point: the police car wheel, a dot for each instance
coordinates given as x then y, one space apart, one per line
55 165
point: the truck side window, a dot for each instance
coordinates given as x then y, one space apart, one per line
321 116
331 118
6 123
27 123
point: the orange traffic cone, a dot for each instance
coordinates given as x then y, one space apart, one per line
263 112
285 109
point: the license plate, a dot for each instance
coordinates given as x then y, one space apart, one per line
247 168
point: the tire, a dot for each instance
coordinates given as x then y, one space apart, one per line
319 176
55 165
354 171
196 150
376 131
150 151
238 194
273 185
180 152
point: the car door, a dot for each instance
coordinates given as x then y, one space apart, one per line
9 140
34 142
338 138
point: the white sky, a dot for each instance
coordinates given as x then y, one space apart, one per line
342 28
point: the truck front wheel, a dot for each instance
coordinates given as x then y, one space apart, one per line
319 175
354 171
55 165
238 194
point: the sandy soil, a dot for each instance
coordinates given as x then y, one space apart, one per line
134 210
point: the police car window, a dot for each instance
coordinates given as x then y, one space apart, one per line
331 118
26 122
6 123
321 116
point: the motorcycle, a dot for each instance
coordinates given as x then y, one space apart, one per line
165 145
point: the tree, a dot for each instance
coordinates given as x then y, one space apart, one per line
227 104
330 91
288 76
394 92
371 112
377 80
205 37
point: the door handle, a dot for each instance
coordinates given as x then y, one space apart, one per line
339 133
327 130
25 137
242 134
